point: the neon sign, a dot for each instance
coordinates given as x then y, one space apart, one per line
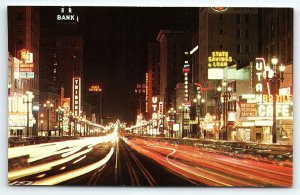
282 110
66 14
219 59
154 108
219 9
147 93
76 96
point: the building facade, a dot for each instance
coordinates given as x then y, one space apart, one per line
24 35
173 45
226 33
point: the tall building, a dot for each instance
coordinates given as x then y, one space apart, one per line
24 34
173 45
62 51
153 74
277 41
227 31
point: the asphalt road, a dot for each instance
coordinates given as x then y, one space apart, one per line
133 161
124 167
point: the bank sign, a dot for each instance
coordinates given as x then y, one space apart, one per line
66 14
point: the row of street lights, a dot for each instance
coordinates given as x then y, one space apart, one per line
272 74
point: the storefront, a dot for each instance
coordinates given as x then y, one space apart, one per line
18 115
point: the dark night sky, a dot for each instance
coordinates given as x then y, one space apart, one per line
115 53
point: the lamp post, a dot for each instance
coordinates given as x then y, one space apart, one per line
42 122
28 100
274 75
60 113
172 119
70 115
225 95
48 106
199 102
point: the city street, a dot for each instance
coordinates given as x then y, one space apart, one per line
150 96
132 161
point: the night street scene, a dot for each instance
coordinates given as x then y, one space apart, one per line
150 96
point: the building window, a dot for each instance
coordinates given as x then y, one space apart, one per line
247 34
238 34
221 31
221 46
247 19
221 16
247 48
238 19
238 48
20 16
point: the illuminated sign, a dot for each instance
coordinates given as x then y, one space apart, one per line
282 110
259 65
26 67
219 59
194 49
279 98
16 64
26 75
186 70
160 109
26 56
219 9
95 88
215 73
147 93
231 116
20 120
66 14
66 103
140 88
154 108
285 91
17 109
76 96
248 109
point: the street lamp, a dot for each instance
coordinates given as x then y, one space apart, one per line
60 114
199 102
48 106
41 122
274 75
172 119
225 95
28 100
